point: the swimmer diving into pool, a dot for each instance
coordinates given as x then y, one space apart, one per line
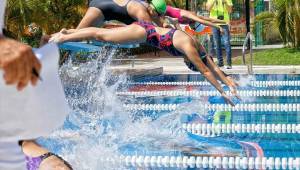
173 41
125 11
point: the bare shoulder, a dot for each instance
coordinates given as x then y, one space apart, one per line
138 5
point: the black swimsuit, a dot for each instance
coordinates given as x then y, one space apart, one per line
113 11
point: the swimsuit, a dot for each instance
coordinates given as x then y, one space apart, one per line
33 163
113 11
165 42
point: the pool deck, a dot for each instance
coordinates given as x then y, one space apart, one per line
177 66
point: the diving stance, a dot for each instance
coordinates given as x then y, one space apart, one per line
173 41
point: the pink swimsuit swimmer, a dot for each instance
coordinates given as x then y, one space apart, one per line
165 42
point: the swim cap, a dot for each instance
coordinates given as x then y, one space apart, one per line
159 5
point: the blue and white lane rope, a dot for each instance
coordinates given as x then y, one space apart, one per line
201 93
205 83
211 162
263 107
205 129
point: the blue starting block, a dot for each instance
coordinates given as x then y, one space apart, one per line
100 43
75 47
92 47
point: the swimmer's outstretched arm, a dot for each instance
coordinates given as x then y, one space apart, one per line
221 76
203 20
189 49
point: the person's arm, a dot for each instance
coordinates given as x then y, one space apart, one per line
192 16
139 11
221 76
193 56
16 59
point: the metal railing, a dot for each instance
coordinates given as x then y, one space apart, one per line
248 41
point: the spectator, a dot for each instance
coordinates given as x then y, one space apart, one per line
19 117
220 9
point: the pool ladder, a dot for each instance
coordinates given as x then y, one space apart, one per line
248 41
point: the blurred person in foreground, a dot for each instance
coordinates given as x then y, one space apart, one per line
19 117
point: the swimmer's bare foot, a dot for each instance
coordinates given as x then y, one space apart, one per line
57 38
64 31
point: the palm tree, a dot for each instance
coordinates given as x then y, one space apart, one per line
286 15
51 15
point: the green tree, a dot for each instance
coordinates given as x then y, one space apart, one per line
50 15
286 17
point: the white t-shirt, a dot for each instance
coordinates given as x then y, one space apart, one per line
37 110
11 157
33 112
2 9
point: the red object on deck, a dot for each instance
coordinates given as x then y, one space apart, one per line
207 30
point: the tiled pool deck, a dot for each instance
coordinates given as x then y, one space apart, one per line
177 66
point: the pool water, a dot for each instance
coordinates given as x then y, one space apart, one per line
177 122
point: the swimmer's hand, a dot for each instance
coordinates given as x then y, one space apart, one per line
227 99
17 61
233 91
232 82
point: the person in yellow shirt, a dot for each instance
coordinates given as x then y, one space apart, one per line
220 9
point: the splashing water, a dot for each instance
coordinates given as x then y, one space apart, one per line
246 80
100 128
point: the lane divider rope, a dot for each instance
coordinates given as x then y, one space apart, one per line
209 162
198 93
205 83
263 107
205 129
